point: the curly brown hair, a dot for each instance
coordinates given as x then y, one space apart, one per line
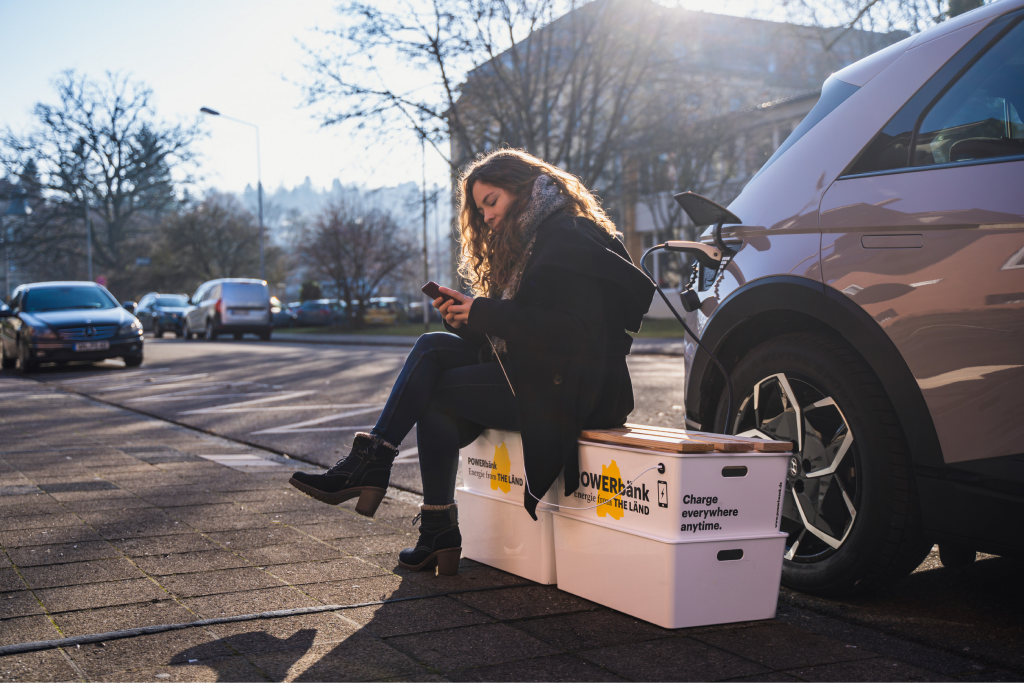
487 257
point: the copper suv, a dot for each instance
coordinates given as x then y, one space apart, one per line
874 311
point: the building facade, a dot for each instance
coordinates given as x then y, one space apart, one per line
701 102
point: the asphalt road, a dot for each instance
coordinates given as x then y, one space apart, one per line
302 400
307 401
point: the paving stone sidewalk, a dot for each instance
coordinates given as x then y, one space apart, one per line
110 520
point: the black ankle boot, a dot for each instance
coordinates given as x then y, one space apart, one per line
365 472
440 542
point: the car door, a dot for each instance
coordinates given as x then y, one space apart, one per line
210 303
145 312
9 326
194 314
926 234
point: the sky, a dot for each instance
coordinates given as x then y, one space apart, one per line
241 58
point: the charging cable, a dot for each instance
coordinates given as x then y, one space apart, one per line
629 482
728 380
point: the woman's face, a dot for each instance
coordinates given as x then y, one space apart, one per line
491 202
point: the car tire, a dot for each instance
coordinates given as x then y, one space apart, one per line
860 490
26 364
238 336
132 361
6 361
158 331
209 334
186 331
265 336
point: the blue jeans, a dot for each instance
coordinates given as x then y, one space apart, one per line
451 397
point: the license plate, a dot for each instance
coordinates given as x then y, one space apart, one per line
92 346
247 313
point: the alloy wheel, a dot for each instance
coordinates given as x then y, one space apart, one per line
822 493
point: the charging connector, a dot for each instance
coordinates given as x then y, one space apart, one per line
702 211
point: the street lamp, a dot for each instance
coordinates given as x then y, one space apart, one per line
259 176
16 207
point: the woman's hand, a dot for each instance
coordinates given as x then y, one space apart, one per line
455 313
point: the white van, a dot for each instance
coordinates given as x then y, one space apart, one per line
229 306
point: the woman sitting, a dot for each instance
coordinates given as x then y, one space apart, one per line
539 348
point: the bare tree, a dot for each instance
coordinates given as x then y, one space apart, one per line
43 245
573 82
100 151
356 251
216 238
837 18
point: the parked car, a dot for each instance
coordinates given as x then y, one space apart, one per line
160 313
320 312
874 312
385 310
282 316
67 321
233 306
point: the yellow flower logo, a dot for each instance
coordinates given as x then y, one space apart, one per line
502 466
611 480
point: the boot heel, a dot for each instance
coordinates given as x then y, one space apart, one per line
369 501
448 561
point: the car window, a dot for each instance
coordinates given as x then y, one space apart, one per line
890 149
171 301
15 302
979 117
246 293
66 298
144 302
833 93
198 296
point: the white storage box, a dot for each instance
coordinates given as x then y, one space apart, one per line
501 534
674 584
699 496
493 465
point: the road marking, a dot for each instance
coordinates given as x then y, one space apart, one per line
22 397
205 385
239 404
270 409
152 383
238 461
352 428
194 393
408 455
110 376
307 425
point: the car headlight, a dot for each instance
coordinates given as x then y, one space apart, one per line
131 328
40 333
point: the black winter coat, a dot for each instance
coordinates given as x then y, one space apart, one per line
565 332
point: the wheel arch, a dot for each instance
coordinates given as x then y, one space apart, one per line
771 306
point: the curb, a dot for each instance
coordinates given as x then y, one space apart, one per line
641 347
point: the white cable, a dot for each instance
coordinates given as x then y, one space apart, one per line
629 482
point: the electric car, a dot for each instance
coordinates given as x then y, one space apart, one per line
872 310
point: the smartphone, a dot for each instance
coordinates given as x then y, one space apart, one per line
433 290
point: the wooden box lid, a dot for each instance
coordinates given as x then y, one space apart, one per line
668 440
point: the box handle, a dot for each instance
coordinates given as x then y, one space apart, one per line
729 555
734 471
